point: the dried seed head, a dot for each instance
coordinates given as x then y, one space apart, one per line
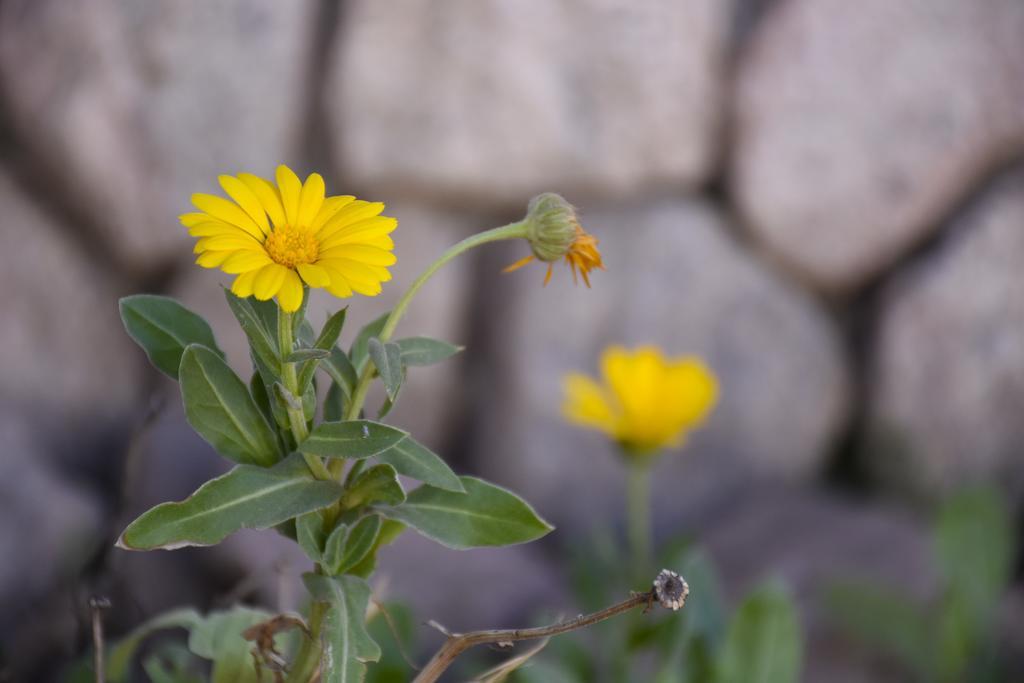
670 589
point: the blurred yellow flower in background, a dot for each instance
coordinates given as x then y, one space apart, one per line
274 237
646 401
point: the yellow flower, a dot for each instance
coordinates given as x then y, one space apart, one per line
554 232
275 237
647 401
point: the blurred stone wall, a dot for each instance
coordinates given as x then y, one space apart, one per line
824 199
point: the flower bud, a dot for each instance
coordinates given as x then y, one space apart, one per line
551 226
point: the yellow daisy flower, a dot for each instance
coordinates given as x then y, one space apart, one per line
646 402
274 237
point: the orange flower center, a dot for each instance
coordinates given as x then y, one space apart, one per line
291 246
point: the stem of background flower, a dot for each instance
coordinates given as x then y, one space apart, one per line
307 659
506 232
638 511
290 380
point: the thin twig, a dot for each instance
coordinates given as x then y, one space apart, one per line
97 605
457 643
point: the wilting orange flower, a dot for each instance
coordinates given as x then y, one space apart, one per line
554 233
274 237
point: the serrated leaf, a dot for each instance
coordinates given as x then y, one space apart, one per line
764 644
262 341
418 351
218 638
220 409
247 497
412 459
346 643
119 657
309 532
351 439
485 515
359 353
378 484
164 328
347 546
387 357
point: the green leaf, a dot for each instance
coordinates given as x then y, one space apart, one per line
303 355
341 370
325 342
412 459
884 619
389 531
359 353
974 541
334 403
219 407
351 439
331 330
378 484
299 317
285 398
345 640
247 497
262 341
219 639
426 351
309 532
485 515
163 328
387 357
764 641
119 657
348 546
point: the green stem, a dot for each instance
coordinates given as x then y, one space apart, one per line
638 511
307 659
290 380
510 231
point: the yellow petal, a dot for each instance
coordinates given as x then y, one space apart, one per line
353 213
290 187
246 199
270 198
339 285
229 212
242 261
268 281
210 227
193 218
586 403
213 259
331 206
290 294
242 286
311 199
362 254
314 275
244 242
355 273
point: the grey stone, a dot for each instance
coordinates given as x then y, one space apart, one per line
948 358
502 99
72 96
859 125
67 351
48 527
127 108
675 278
